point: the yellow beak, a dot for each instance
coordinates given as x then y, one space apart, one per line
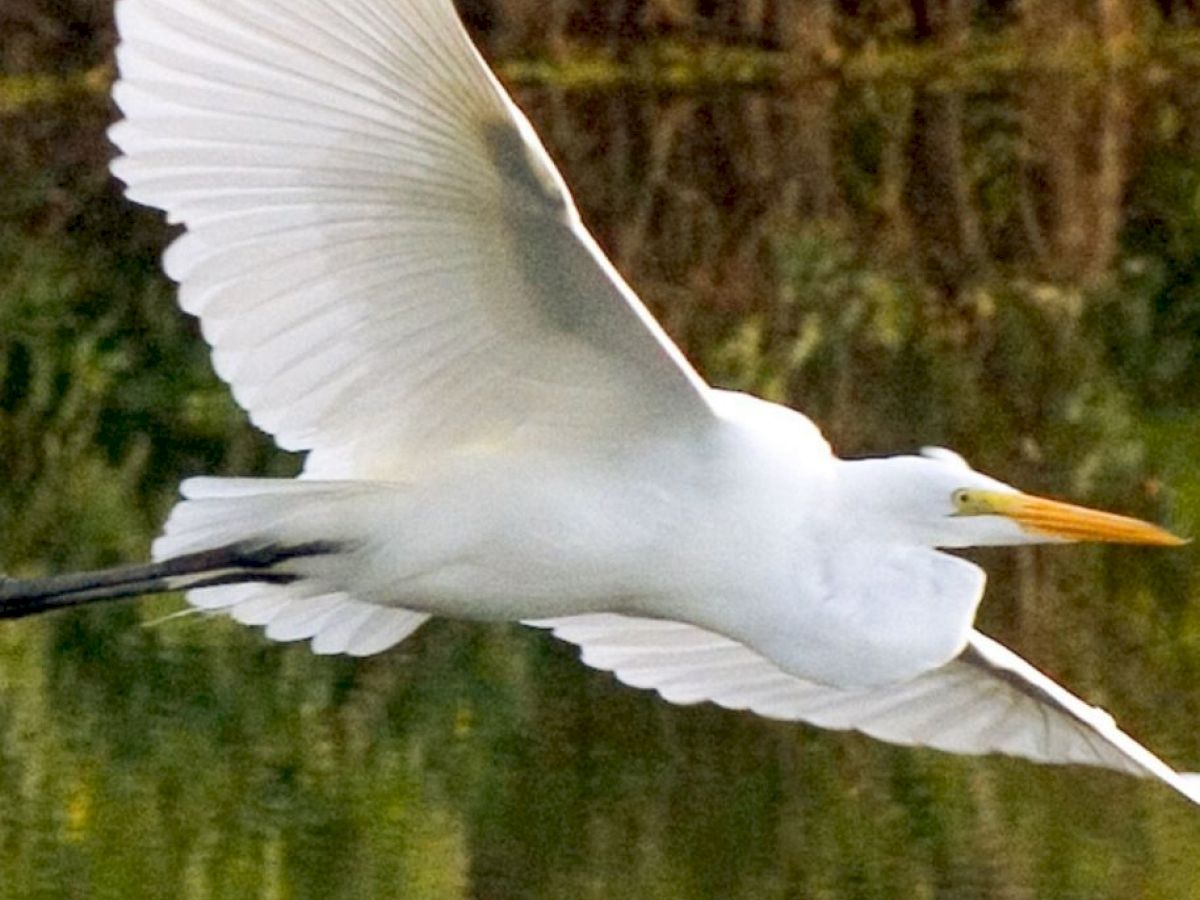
1064 521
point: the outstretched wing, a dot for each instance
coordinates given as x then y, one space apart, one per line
381 253
989 700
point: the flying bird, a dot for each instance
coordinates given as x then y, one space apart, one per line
395 281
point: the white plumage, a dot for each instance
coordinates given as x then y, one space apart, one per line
394 278
353 169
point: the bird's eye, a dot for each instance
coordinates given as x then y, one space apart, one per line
961 499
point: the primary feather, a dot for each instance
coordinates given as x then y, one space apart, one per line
380 252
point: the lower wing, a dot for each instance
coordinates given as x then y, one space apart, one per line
988 700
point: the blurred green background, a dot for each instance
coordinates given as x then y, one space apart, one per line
969 224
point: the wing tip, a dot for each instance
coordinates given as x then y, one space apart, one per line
1188 784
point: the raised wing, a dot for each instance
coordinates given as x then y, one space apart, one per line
988 700
381 253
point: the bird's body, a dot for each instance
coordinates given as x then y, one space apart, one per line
747 526
394 280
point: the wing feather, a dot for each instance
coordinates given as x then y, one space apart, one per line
382 255
988 700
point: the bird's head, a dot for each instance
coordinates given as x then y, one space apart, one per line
941 501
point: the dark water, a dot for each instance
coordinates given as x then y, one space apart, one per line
1010 270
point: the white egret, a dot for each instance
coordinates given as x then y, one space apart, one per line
394 279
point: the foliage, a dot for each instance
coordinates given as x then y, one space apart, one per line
102 382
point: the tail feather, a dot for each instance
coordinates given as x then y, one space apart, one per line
382 629
304 617
305 609
228 510
215 509
250 548
254 605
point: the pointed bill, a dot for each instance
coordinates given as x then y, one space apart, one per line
1067 522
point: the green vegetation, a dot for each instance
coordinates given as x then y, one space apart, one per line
698 65
191 758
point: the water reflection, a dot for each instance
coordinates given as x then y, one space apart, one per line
995 270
